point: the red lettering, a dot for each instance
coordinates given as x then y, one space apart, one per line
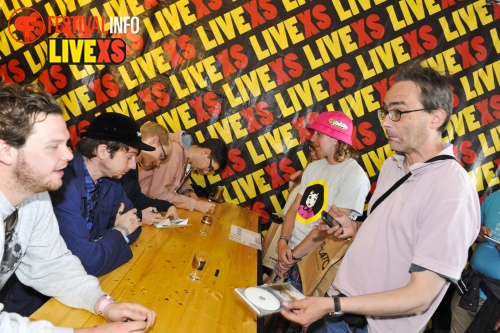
159 92
272 170
54 72
11 72
330 76
145 96
188 51
486 117
300 126
252 123
468 154
285 166
253 9
118 48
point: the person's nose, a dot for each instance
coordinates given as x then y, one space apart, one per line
67 154
131 164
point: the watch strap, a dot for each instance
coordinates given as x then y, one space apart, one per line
337 311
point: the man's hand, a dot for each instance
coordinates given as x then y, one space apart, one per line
307 311
127 219
204 206
172 213
123 317
151 216
347 228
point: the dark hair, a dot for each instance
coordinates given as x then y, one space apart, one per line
88 147
435 88
218 149
20 105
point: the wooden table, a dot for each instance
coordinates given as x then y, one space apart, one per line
157 277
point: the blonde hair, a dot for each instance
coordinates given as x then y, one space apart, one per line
151 129
345 151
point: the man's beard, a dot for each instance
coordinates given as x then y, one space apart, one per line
29 179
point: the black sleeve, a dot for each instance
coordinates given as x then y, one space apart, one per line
130 184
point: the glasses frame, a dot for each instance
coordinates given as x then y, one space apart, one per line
397 112
164 153
210 166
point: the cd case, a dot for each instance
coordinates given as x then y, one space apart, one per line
268 299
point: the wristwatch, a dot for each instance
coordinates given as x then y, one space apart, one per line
337 311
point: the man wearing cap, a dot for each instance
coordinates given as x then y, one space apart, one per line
96 219
335 178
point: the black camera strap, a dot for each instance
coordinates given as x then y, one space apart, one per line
404 178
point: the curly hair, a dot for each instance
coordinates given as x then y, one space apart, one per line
345 151
20 106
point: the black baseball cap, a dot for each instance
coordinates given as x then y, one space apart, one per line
119 128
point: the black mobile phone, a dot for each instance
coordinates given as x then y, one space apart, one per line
329 219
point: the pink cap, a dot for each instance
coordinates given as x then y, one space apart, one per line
335 124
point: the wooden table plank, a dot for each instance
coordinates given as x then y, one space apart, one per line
157 277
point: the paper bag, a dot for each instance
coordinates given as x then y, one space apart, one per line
270 247
318 268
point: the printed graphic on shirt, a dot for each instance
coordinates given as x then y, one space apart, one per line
12 255
313 202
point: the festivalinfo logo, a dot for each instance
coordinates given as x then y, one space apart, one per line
26 25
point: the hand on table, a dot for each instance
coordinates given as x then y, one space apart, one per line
172 213
123 317
204 206
151 216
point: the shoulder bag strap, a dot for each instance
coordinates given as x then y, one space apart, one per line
404 178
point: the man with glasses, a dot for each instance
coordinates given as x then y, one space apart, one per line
33 160
148 208
168 181
414 243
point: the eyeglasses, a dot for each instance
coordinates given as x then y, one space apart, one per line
395 115
210 167
164 153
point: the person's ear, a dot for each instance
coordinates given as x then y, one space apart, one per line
102 151
152 140
7 153
206 151
438 118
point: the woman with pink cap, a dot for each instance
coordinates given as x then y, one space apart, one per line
335 178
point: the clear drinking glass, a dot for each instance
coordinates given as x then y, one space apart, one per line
198 265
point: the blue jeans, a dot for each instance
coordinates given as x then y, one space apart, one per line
329 324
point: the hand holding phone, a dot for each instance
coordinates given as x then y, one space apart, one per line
329 220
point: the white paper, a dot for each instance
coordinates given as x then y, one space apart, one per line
245 236
167 223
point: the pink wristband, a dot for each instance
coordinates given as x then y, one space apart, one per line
104 303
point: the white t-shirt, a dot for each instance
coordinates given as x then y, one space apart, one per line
345 185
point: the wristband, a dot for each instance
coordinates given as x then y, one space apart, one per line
104 303
293 257
285 238
337 311
124 228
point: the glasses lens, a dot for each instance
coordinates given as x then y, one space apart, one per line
210 167
382 113
164 157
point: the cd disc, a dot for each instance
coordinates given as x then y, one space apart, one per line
262 298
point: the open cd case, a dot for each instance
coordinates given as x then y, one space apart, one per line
268 299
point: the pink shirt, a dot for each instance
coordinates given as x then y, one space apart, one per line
167 181
431 220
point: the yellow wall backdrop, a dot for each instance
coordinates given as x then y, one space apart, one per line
255 73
